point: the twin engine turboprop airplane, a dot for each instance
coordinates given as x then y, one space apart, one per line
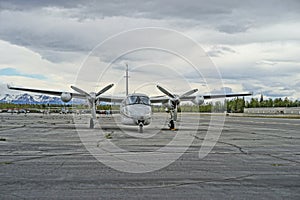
135 109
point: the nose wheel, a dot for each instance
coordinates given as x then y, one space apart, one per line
141 125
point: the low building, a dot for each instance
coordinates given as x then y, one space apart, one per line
275 110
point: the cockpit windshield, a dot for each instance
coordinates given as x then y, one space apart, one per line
137 100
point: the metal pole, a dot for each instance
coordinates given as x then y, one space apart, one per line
126 76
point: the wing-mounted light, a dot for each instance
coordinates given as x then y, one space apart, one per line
199 100
66 97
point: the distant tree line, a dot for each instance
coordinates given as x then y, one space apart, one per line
238 104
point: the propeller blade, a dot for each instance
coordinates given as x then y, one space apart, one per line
104 89
189 93
80 91
166 92
93 110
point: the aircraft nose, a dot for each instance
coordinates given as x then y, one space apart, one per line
140 112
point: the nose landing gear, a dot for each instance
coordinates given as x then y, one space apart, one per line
141 125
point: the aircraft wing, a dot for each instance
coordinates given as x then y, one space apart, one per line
49 92
160 99
215 96
163 99
111 99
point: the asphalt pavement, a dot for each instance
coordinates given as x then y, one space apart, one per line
45 156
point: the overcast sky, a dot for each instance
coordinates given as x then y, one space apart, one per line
254 44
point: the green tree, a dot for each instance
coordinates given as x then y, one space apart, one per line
261 98
254 103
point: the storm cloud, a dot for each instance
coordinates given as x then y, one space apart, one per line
254 44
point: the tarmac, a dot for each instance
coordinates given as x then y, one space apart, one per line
43 157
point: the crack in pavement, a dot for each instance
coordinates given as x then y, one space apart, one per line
11 128
44 156
230 144
174 185
234 145
278 136
280 158
252 153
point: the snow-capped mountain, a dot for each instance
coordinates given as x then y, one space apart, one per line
7 98
36 99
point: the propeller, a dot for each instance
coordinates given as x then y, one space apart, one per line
175 99
92 97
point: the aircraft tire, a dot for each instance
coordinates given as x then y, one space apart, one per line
91 123
140 128
171 124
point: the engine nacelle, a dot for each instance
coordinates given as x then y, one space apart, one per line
199 100
169 105
66 97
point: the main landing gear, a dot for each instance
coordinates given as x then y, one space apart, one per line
172 125
91 123
173 119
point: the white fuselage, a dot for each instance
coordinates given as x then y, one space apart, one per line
136 109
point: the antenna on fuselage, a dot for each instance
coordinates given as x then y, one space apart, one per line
126 77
